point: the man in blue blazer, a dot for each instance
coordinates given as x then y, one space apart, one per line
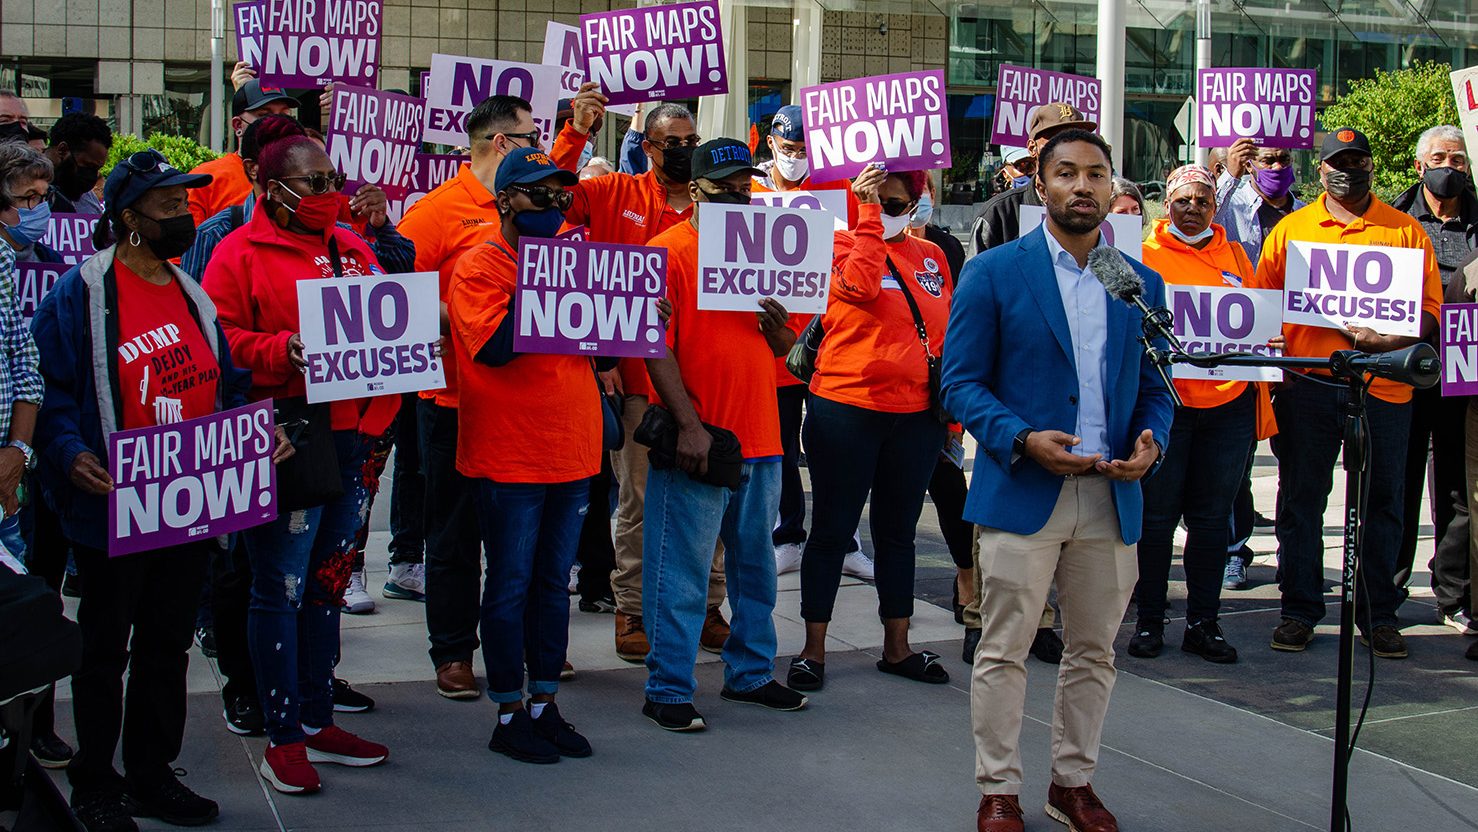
1045 371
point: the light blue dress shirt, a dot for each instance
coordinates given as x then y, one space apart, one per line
1086 304
1237 204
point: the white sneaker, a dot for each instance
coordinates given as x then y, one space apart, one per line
1460 621
357 600
858 565
407 582
788 557
574 579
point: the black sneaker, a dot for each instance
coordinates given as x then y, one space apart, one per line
244 717
171 801
205 637
1047 646
681 716
1147 642
1261 522
605 605
1292 636
551 726
103 811
772 695
519 739
347 700
51 751
972 641
1204 639
1387 641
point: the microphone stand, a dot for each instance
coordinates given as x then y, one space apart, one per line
1341 365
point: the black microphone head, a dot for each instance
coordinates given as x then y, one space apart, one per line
1119 279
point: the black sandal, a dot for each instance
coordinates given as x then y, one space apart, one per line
920 667
806 674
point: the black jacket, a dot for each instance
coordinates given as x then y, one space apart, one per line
1412 202
999 220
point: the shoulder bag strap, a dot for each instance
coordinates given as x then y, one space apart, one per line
913 307
333 254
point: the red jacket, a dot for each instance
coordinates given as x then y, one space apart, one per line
253 277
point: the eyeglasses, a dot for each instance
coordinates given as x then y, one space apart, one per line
897 207
791 152
531 137
543 197
27 201
674 143
319 183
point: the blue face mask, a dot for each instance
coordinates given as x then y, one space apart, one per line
923 211
32 225
1020 181
543 223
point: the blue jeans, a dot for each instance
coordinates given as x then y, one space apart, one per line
683 520
531 532
300 564
13 538
1310 431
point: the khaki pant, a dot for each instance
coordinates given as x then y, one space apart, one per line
1095 573
630 466
972 609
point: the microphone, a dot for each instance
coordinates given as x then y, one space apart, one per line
1416 365
1123 283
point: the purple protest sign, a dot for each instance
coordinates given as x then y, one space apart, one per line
373 137
578 234
590 299
1460 349
250 23
429 171
899 119
70 235
1273 106
656 52
458 84
191 480
308 43
33 281
1021 89
1336 286
425 82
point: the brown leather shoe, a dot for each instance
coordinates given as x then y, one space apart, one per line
999 813
715 631
631 639
454 680
1080 809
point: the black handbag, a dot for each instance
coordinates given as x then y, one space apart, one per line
310 477
936 402
801 360
658 431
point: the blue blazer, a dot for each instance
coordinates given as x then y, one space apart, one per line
1008 366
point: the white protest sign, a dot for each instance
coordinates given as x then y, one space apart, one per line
750 252
833 202
562 49
1124 232
1465 90
1336 286
1220 319
459 84
370 335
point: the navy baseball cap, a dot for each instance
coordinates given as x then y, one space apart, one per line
721 158
529 164
253 95
787 124
140 173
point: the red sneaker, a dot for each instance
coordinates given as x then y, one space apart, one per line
335 745
287 768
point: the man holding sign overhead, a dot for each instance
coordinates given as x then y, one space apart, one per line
1302 257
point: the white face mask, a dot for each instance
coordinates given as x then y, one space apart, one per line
893 226
923 211
791 170
1190 240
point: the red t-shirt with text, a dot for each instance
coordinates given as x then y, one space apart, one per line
166 370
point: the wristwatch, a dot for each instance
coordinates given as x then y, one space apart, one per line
26 450
1018 445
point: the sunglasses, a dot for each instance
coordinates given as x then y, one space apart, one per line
531 137
673 143
543 197
319 183
897 207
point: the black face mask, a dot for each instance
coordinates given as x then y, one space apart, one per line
176 235
677 163
74 181
1444 183
1348 184
726 197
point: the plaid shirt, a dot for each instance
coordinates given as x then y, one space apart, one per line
20 369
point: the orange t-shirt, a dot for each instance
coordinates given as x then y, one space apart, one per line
617 208
444 224
871 356
536 419
1381 225
727 365
1185 265
166 370
228 186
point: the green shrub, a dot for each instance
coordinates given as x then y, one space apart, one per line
182 152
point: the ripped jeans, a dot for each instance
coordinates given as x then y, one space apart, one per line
530 532
300 566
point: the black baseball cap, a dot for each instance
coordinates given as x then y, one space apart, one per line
253 95
1345 138
721 158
